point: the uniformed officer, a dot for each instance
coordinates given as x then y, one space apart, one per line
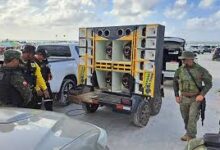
187 93
14 90
34 77
41 60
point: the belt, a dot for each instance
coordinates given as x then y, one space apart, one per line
187 94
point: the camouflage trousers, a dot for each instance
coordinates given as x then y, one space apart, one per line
190 113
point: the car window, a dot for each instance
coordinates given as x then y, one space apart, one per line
56 50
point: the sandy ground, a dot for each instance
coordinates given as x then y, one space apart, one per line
163 131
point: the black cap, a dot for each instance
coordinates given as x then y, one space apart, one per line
28 49
42 52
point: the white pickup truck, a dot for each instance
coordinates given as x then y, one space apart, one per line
63 60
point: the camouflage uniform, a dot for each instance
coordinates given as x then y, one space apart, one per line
32 74
184 84
14 89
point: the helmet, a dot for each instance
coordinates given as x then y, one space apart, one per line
28 49
42 52
12 54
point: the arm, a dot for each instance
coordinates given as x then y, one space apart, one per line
49 73
176 83
22 87
207 79
40 83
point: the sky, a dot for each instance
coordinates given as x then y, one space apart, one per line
194 20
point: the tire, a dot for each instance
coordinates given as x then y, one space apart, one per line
90 108
142 115
156 104
67 85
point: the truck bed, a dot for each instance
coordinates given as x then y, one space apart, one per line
97 97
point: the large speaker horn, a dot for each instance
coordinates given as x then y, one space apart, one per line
109 50
126 80
127 50
108 78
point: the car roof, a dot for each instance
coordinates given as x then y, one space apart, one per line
60 43
174 39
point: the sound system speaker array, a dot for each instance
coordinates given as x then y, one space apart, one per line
124 59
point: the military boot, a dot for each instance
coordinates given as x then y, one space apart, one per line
190 138
186 138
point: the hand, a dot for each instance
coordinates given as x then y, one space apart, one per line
40 93
50 77
199 98
46 94
178 99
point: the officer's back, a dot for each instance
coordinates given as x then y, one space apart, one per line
14 91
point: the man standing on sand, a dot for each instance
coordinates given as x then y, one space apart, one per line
191 84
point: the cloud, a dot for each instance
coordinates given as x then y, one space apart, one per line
131 11
206 3
49 13
177 11
204 23
50 17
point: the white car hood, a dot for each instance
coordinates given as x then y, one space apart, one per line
38 130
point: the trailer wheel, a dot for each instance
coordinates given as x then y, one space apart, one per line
156 105
141 116
90 108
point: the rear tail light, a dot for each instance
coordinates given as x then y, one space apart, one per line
126 102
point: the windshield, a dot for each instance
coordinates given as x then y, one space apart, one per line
56 50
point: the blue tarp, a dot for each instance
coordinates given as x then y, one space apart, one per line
8 44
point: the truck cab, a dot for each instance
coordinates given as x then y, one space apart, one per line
63 61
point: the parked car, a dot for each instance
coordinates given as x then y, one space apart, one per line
43 130
63 60
216 55
196 49
207 50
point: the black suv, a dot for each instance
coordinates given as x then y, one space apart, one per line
207 50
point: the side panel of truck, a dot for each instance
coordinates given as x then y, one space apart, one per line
63 67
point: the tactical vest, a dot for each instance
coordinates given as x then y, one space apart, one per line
186 83
44 69
8 93
29 73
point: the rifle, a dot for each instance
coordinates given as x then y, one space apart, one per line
202 105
